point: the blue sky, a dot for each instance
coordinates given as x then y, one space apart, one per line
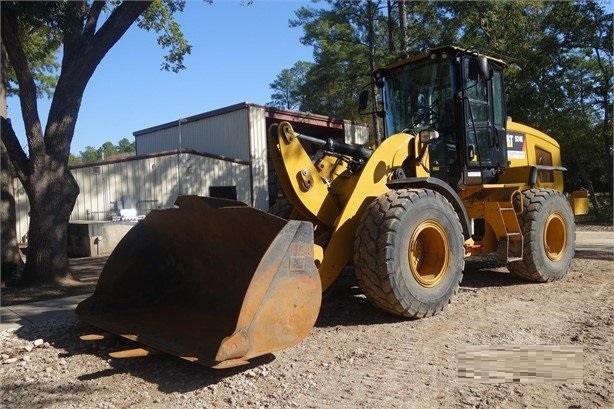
237 51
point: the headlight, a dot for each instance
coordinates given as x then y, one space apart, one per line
427 135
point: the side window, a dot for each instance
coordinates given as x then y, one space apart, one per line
498 98
477 93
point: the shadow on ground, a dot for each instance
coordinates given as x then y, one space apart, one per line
85 270
596 254
343 305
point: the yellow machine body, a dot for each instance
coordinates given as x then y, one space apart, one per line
334 198
218 283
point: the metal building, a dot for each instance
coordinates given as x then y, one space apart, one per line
141 183
239 131
221 153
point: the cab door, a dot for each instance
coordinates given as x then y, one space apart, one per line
484 123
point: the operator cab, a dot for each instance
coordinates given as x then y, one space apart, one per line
460 95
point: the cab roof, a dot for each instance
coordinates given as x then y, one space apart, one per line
439 50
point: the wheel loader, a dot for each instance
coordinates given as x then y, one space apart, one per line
218 283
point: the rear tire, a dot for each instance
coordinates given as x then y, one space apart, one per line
408 252
549 234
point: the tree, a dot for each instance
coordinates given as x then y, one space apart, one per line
287 92
41 48
403 40
125 146
351 39
44 173
90 154
107 150
11 256
559 77
348 45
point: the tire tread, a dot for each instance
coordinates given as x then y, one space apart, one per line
377 230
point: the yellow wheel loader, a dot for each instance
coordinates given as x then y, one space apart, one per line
218 283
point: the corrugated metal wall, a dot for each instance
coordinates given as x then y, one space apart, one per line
258 147
158 141
356 133
150 183
237 133
226 134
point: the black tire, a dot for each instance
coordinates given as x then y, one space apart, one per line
282 208
549 235
396 278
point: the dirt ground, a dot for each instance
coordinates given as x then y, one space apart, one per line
356 356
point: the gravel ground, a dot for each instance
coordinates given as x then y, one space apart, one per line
356 356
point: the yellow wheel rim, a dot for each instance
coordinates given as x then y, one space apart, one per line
555 236
429 254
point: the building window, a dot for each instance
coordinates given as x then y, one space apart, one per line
223 192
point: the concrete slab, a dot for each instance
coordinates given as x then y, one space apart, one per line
39 312
595 240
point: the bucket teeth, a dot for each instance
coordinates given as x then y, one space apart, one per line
134 353
98 336
211 282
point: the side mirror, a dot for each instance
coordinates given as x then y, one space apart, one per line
363 100
428 135
478 68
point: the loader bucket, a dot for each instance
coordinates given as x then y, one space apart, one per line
214 282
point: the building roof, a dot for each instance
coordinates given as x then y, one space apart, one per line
270 112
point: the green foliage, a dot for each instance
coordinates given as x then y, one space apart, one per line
106 152
159 17
90 154
40 28
559 77
125 146
338 34
41 44
606 214
287 86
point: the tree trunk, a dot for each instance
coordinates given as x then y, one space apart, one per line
51 188
403 28
52 198
12 263
391 27
371 10
591 190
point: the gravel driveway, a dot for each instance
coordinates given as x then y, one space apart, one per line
356 356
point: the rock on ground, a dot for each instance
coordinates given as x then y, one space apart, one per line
356 356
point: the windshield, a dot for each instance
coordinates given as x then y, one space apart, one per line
419 95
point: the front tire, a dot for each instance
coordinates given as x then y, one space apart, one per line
408 252
549 234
